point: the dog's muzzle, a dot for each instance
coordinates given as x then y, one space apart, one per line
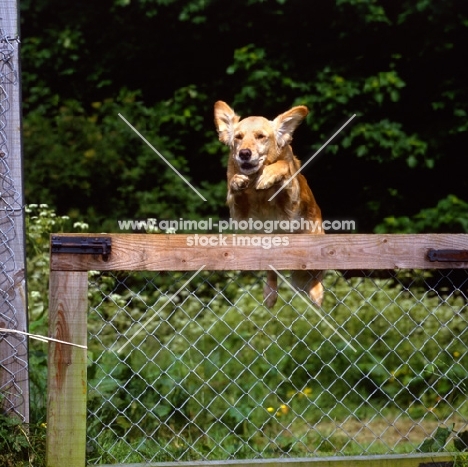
246 164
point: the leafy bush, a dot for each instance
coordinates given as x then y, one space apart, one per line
350 56
115 173
21 445
216 365
449 215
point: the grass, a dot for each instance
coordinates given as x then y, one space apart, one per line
225 378
25 445
348 438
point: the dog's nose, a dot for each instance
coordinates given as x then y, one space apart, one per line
245 154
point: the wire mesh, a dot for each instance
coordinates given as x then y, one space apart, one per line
14 347
209 373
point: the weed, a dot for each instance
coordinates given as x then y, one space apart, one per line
21 445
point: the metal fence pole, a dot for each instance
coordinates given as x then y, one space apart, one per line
14 385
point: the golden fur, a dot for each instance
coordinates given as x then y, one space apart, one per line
260 161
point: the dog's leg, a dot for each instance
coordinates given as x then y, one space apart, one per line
309 282
272 174
270 291
239 182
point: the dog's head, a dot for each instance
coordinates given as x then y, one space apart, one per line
256 141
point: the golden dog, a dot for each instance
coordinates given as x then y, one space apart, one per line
260 161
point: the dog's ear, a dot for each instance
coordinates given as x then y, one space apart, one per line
286 123
225 119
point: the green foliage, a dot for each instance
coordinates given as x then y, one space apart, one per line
437 442
21 445
449 215
249 373
370 10
374 58
125 179
41 221
8 443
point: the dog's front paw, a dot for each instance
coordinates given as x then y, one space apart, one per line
267 179
239 182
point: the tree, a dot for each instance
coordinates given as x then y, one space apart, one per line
163 63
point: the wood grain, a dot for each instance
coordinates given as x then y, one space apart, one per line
180 252
67 382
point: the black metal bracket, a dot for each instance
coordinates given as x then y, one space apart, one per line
82 245
448 255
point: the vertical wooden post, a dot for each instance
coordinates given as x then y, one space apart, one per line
67 383
14 377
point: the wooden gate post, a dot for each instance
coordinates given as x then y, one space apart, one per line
67 382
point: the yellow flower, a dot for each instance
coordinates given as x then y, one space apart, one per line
270 409
284 409
306 392
456 354
90 153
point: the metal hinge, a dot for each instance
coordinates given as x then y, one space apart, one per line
82 245
448 255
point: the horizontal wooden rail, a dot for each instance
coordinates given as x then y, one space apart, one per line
188 252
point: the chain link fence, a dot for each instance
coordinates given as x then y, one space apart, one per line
196 368
13 348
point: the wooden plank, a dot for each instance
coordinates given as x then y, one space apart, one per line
180 252
396 460
67 382
14 376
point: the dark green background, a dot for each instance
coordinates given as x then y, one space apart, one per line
399 65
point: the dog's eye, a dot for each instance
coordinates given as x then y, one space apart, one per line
238 136
260 136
